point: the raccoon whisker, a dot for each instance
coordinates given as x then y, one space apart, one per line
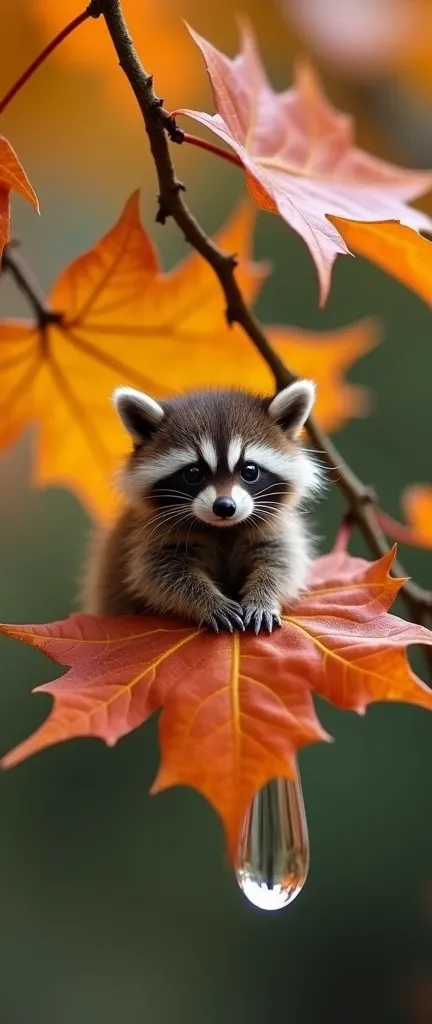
163 520
321 462
314 451
260 529
268 514
269 526
271 494
264 490
164 492
173 525
161 516
270 519
268 499
269 505
187 535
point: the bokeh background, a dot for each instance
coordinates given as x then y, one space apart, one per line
115 906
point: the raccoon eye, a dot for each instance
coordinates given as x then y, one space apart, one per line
249 472
193 474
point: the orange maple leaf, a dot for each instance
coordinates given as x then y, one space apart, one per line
124 321
236 707
398 250
12 176
417 507
299 155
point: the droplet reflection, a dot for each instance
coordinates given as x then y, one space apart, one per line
273 856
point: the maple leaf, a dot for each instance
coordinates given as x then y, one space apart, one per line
417 508
236 707
299 155
12 176
396 249
125 322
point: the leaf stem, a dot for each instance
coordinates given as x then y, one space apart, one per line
211 147
90 12
159 124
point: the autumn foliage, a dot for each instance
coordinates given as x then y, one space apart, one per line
236 708
12 178
121 318
301 162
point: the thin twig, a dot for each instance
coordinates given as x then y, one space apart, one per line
14 264
92 11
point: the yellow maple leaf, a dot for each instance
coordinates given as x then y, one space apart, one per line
398 250
123 321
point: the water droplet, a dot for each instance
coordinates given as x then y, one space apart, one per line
273 857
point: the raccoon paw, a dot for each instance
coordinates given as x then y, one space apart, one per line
259 617
226 615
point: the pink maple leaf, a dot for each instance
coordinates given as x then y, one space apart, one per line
299 155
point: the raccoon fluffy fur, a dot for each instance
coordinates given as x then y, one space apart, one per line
213 527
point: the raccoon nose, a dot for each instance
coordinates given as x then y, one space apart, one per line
224 507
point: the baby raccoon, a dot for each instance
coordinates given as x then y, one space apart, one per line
212 529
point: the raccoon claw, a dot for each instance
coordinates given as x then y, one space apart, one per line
258 618
227 617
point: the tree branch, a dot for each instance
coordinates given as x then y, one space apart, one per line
26 282
159 124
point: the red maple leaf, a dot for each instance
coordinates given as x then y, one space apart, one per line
236 708
299 155
12 176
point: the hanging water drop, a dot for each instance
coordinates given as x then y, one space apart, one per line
273 856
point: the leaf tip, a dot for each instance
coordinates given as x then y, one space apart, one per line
34 200
199 40
132 204
245 28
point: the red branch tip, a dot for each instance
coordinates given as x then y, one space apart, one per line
343 535
36 63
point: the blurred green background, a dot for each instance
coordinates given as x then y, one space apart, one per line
115 906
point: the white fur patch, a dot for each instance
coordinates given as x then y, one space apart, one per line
269 458
127 400
151 471
309 476
295 468
235 449
208 452
244 503
202 506
299 553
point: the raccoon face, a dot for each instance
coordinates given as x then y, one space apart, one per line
218 458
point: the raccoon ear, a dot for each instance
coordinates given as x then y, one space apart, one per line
139 413
291 407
